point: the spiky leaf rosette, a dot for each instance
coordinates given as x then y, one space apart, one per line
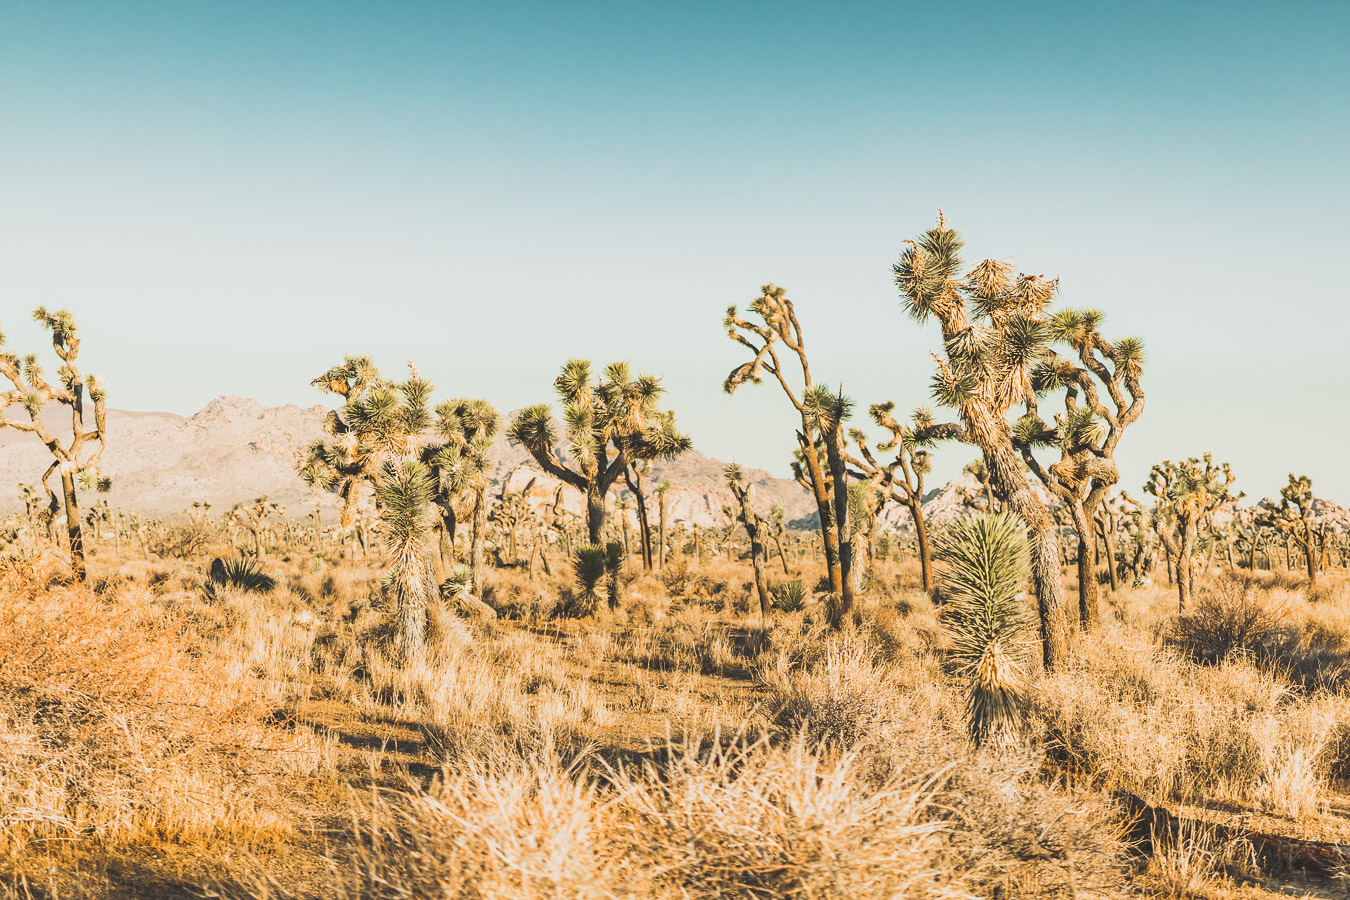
984 565
405 490
588 568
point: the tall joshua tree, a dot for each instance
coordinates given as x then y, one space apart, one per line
1188 494
33 392
911 461
611 422
754 528
994 332
775 336
1294 517
459 459
380 421
1102 398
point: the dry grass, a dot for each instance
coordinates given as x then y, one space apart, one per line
680 746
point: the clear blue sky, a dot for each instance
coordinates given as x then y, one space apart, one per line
231 196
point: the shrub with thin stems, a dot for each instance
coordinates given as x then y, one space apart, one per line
985 564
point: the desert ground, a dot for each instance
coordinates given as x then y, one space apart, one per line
167 734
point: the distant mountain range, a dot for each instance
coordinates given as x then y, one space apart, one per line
237 449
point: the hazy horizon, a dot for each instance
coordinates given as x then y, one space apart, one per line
232 197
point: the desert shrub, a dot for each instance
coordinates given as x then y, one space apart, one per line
746 820
1230 617
181 541
1153 723
837 702
108 731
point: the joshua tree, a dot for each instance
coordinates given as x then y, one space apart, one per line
459 457
1294 518
994 332
253 517
1106 523
669 443
610 422
1188 494
821 412
662 488
511 511
754 528
984 566
405 489
380 421
33 392
912 462
1102 398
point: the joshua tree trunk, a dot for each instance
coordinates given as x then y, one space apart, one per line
595 511
1107 527
661 552
925 553
477 536
829 530
1184 569
1088 613
778 543
633 478
839 478
993 435
73 525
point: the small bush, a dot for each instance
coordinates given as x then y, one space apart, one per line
181 541
1232 618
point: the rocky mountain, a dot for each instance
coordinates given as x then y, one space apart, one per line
237 449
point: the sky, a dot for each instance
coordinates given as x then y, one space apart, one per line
230 197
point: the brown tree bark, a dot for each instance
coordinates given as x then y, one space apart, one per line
73 525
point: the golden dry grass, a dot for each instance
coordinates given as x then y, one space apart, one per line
161 740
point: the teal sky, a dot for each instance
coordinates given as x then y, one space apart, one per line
231 196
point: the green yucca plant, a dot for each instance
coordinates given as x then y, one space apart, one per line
791 596
614 557
985 564
588 567
242 573
405 489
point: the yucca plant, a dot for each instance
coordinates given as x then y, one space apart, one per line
405 490
243 573
614 558
791 596
588 567
985 563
